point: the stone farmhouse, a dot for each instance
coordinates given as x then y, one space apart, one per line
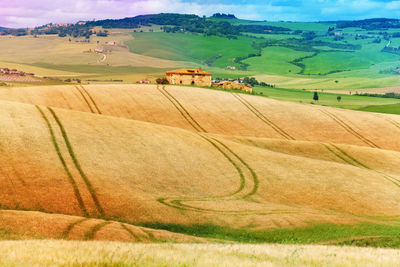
185 76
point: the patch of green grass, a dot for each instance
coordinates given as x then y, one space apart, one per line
390 109
369 55
303 235
276 60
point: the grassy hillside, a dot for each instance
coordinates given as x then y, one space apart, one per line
270 159
216 51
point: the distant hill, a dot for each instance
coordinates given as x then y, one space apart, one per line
371 24
188 23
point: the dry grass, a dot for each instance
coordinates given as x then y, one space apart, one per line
183 155
46 253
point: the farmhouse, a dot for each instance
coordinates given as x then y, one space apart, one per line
184 76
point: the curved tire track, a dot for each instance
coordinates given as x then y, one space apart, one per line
89 235
235 160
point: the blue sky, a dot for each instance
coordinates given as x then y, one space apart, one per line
28 13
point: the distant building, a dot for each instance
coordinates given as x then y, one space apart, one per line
231 67
111 43
184 76
145 81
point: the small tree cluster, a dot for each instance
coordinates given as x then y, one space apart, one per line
162 81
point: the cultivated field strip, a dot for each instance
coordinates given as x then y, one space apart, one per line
348 128
74 160
64 164
262 117
340 153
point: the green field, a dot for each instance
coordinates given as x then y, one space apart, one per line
276 60
216 51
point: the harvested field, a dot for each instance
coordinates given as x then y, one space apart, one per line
101 155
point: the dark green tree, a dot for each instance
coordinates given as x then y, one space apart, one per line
339 98
315 97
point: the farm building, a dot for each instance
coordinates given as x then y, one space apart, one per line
233 85
184 76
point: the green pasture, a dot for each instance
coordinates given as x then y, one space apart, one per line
326 99
391 109
359 234
276 60
218 51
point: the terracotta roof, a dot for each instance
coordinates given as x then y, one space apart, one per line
189 71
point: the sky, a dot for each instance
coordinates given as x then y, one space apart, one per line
29 13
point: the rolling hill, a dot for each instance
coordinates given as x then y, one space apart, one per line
101 158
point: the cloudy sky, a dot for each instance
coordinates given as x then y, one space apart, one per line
27 13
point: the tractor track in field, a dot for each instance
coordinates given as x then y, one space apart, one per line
87 97
186 115
65 234
340 153
84 98
234 159
135 236
74 160
89 235
91 99
262 117
77 164
391 121
63 162
349 129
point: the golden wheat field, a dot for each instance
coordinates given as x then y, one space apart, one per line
92 162
72 253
